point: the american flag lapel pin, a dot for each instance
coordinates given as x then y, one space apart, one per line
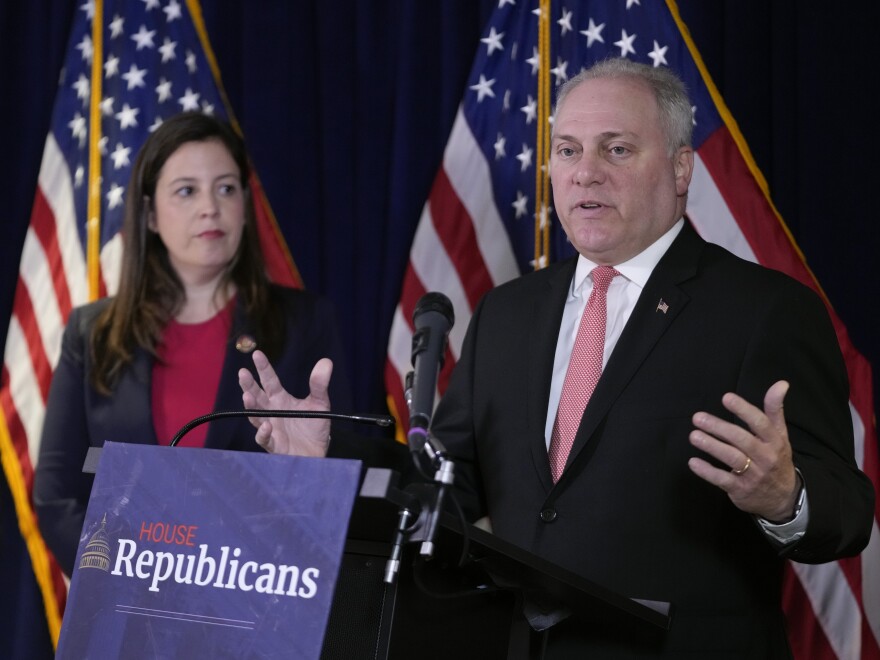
662 306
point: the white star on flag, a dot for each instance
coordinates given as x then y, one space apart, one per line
525 157
530 110
134 77
493 41
658 55
593 33
483 88
626 43
189 101
144 38
167 49
127 116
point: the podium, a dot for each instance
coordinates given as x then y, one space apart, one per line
466 601
476 596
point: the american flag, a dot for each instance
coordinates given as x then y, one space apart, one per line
478 229
151 60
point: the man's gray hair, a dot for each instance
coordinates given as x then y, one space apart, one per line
669 91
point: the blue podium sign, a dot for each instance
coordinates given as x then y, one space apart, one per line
203 553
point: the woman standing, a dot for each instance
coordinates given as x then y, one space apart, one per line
193 303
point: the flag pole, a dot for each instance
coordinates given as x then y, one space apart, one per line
93 225
542 140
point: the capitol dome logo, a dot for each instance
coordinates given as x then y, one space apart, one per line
97 552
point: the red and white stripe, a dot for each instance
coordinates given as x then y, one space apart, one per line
728 207
52 280
460 248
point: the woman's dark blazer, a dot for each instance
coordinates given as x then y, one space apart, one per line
78 417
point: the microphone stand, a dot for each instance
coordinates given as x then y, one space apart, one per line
422 441
428 496
428 499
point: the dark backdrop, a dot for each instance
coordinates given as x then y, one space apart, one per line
346 107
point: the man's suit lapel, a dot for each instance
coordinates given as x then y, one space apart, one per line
656 310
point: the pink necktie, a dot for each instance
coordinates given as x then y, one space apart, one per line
584 369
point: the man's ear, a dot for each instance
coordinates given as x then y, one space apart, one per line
683 163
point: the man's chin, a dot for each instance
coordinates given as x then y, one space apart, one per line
595 245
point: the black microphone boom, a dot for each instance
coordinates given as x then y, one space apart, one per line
90 465
432 319
380 420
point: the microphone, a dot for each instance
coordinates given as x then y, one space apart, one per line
432 318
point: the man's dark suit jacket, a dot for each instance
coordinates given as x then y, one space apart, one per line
628 513
78 417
